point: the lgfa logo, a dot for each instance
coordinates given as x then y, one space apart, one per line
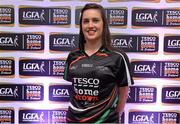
147 17
34 15
9 92
36 67
122 42
64 41
60 92
174 43
143 118
145 68
172 94
9 41
33 117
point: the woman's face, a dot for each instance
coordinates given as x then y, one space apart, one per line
92 25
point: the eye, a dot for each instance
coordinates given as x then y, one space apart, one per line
85 21
96 20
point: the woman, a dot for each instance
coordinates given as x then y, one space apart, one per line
100 75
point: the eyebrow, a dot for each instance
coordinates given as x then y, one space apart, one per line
91 18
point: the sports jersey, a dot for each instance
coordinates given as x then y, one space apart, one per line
95 82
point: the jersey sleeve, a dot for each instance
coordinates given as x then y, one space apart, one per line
124 76
66 69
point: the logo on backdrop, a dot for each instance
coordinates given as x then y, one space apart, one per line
171 95
6 15
21 92
156 69
80 0
63 42
172 1
57 116
42 116
116 17
135 0
41 67
59 93
21 41
30 15
135 43
172 43
7 66
142 94
169 117
171 69
6 115
145 17
153 117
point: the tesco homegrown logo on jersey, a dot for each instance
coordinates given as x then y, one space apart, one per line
82 88
171 95
59 93
63 42
6 115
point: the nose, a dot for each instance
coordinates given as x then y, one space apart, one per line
91 24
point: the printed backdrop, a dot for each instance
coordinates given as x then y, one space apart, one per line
37 35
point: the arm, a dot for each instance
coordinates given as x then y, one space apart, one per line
123 95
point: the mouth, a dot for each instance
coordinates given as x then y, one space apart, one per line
91 31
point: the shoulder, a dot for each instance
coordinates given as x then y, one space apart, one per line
74 54
118 55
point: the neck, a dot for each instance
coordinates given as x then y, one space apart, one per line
92 47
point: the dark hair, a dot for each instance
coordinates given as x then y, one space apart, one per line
106 38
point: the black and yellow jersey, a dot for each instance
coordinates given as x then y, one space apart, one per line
95 81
